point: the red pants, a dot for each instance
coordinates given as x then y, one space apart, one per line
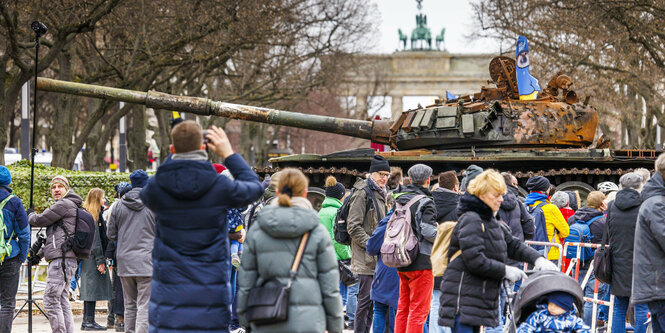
415 296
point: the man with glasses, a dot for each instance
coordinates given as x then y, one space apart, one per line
365 212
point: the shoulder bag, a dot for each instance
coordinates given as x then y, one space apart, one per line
602 259
269 304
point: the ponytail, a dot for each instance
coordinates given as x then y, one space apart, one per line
292 182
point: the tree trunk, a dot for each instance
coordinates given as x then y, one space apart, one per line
67 106
163 134
137 147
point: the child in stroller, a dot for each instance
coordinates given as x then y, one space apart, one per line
548 301
557 315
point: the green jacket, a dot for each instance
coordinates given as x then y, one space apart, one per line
327 214
315 304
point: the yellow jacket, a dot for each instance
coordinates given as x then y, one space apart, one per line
554 221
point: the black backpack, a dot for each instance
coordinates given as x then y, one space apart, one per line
340 227
84 235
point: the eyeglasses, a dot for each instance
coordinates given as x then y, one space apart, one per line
384 174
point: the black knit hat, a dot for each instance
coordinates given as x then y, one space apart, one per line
334 189
379 163
538 183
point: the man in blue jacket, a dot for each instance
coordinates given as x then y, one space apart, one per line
17 235
190 286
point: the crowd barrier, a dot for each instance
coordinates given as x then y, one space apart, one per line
575 262
547 246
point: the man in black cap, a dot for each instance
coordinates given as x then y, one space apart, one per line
363 218
547 216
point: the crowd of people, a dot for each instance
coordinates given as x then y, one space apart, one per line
209 247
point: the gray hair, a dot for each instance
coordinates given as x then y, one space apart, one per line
560 199
646 175
660 165
631 180
420 173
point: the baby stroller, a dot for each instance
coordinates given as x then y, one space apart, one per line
534 290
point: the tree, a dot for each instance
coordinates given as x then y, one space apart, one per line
613 49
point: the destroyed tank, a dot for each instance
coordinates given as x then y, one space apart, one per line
552 136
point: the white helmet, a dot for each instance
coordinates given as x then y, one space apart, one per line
607 187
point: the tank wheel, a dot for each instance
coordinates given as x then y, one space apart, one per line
316 195
582 188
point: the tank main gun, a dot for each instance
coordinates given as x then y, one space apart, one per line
377 131
491 118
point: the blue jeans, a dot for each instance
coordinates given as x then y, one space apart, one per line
351 301
343 289
619 316
235 321
461 328
434 314
381 311
603 293
657 309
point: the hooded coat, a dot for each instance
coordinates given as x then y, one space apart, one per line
649 256
132 225
16 221
621 222
554 221
190 257
65 210
327 215
514 214
315 304
472 281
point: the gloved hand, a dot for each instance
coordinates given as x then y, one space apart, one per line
30 211
34 259
514 274
543 264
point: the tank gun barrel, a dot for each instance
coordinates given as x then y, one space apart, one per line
378 130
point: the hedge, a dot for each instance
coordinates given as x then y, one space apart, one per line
80 181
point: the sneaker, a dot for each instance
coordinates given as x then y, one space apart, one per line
235 261
238 330
120 327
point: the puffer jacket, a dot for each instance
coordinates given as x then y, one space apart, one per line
648 268
16 221
423 224
472 281
327 215
621 221
65 210
132 225
515 215
361 224
315 304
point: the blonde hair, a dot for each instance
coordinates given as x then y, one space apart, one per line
488 180
292 183
595 199
93 202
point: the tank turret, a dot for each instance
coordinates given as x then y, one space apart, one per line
494 117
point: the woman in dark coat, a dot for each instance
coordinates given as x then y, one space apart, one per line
95 283
621 222
472 281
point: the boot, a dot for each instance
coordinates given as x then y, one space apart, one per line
91 325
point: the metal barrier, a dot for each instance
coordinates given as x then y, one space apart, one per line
548 245
577 262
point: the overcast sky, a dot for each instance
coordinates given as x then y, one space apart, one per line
454 15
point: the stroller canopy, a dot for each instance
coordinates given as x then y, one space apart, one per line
537 286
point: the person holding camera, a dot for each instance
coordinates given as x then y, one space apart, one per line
62 264
15 242
190 279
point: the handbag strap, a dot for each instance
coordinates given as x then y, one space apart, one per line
607 229
297 259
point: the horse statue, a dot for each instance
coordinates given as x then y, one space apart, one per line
421 32
440 39
402 38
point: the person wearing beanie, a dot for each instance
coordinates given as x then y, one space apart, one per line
15 243
367 206
558 314
335 193
61 259
550 224
561 199
468 175
139 178
131 226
